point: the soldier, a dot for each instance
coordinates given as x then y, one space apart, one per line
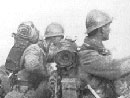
34 57
54 33
97 67
26 35
14 93
25 85
4 81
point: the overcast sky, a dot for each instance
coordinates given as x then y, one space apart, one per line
71 14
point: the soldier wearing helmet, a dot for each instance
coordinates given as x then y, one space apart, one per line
53 30
96 19
34 57
97 67
53 34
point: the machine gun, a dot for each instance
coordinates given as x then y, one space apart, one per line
66 62
65 81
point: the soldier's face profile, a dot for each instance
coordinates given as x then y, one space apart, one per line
54 38
57 38
105 31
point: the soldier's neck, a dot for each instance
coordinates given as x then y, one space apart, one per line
94 42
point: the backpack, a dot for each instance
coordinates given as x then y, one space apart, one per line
14 56
26 35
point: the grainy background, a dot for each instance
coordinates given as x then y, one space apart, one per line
71 14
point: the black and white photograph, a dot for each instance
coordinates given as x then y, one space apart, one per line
65 49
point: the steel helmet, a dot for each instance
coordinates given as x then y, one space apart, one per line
96 19
54 29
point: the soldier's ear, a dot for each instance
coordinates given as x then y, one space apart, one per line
101 30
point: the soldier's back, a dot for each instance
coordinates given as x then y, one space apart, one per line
14 94
33 57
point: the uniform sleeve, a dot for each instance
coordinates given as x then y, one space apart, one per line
30 94
33 57
103 66
8 96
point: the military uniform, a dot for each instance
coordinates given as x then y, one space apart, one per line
33 57
30 94
52 30
50 46
97 66
88 55
43 90
20 94
4 81
26 35
122 86
14 94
